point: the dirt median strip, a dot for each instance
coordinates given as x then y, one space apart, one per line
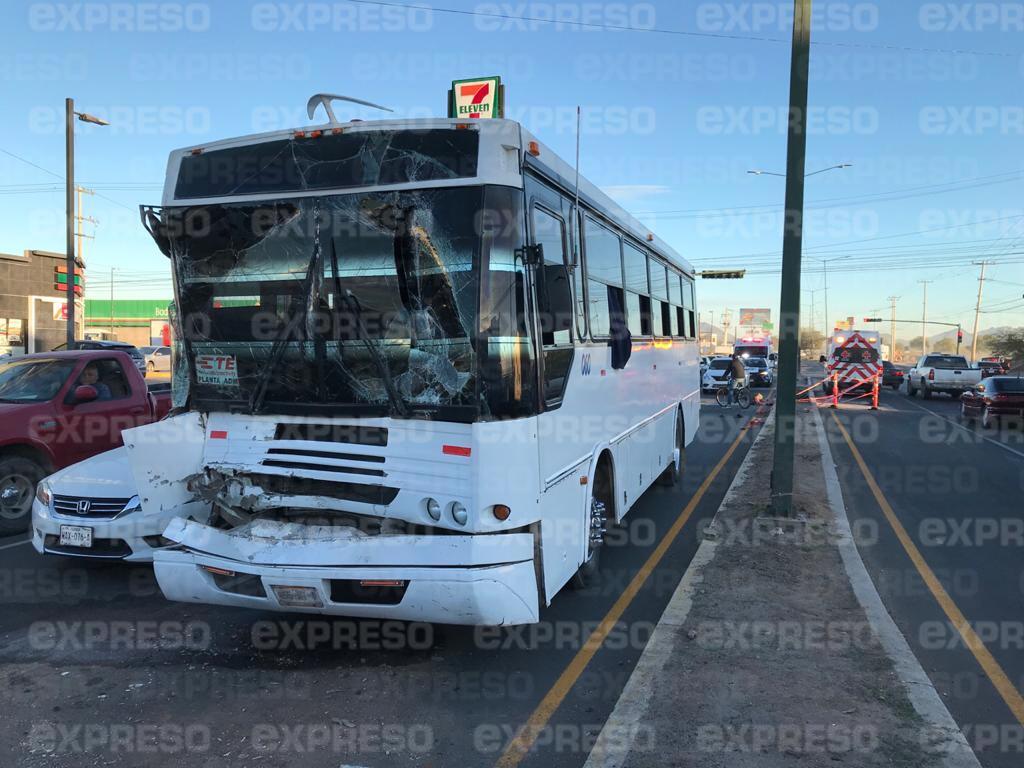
767 655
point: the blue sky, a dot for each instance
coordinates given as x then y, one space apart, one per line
923 99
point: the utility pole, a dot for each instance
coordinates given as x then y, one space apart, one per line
977 313
892 327
69 206
111 302
792 251
924 316
79 219
69 202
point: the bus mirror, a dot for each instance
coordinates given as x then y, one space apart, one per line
554 298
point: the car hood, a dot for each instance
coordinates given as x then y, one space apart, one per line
106 475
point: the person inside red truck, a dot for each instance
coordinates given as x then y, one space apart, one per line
90 376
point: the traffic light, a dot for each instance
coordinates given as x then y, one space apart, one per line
959 336
872 319
722 274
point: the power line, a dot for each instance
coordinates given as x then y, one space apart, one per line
57 175
895 194
678 32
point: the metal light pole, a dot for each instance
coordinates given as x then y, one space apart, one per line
792 246
69 204
824 262
924 316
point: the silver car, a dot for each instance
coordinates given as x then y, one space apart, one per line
158 359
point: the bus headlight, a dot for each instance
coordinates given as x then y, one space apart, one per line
433 508
459 514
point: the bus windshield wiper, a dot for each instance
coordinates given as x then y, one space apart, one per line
356 310
259 393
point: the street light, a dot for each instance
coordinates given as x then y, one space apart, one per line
759 172
69 203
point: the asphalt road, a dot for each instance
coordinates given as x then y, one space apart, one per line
956 491
96 668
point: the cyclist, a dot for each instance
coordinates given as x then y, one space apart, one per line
735 372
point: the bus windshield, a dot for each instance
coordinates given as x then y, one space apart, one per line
366 303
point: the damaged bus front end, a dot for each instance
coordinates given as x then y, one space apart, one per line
351 312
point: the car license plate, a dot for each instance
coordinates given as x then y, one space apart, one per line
75 536
297 597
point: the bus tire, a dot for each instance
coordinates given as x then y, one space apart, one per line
601 514
672 474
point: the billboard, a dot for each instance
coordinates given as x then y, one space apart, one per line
755 318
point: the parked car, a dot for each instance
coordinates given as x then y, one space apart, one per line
891 375
59 408
158 359
759 372
714 377
92 509
993 399
136 355
942 373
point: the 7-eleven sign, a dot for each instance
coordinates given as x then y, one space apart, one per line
482 97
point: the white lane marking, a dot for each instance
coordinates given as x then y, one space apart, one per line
15 544
966 429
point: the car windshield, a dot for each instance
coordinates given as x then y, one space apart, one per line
755 362
147 350
33 380
720 365
363 303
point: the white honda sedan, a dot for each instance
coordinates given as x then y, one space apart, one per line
91 509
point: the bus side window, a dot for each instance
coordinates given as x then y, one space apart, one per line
549 231
689 307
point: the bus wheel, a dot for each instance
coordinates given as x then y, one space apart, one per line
600 506
673 473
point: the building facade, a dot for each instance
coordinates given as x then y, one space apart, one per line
142 322
33 310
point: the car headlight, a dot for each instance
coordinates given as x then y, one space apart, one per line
43 493
134 505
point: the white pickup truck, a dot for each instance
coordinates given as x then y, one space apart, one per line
951 374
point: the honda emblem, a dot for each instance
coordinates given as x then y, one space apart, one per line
83 506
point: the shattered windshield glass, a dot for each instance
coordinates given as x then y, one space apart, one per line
364 303
330 161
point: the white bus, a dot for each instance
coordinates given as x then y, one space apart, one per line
416 380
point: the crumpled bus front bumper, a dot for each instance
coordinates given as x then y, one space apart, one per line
471 579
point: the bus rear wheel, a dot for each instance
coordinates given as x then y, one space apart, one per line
600 514
673 473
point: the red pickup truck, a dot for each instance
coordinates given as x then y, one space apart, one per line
58 408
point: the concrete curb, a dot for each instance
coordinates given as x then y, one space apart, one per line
615 742
922 694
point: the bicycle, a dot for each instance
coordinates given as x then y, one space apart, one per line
741 394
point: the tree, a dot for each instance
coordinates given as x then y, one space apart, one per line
944 346
1009 345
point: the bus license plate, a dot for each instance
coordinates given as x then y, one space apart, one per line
297 597
75 536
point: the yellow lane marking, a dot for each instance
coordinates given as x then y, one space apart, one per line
971 640
520 746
